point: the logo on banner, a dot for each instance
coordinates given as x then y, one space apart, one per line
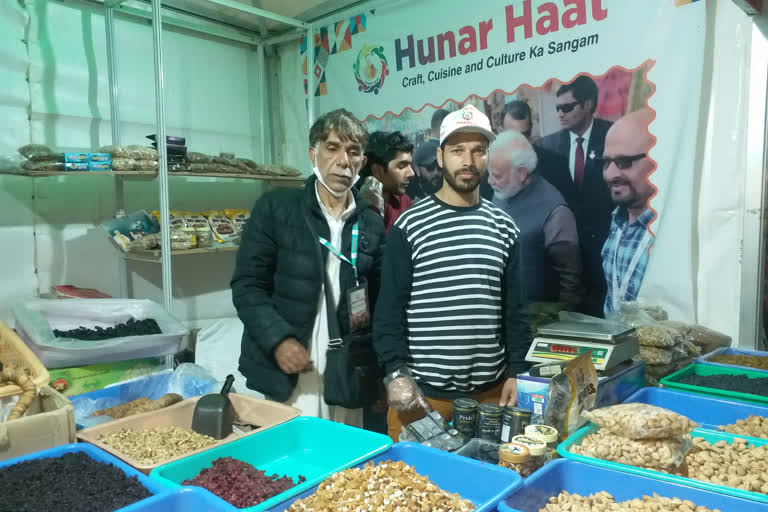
371 68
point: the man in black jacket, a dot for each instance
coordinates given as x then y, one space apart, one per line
293 242
581 141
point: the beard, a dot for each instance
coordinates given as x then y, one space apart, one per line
463 185
626 196
507 192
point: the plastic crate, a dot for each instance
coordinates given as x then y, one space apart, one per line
152 387
256 411
708 411
485 485
97 455
573 477
727 351
310 447
14 354
184 499
564 449
670 381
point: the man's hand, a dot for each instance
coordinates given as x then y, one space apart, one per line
403 394
373 191
509 393
292 357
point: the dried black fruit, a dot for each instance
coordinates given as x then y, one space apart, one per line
132 327
738 383
73 482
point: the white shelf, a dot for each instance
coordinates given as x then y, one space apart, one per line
154 256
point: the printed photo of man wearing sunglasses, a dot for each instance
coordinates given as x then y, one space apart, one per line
581 141
626 168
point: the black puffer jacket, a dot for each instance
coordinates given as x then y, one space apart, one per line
278 276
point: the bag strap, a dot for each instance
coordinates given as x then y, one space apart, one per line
334 331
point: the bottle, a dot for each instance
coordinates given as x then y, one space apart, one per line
537 448
516 457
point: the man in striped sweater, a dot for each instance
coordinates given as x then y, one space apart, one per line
450 320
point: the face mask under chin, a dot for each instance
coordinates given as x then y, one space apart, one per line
334 193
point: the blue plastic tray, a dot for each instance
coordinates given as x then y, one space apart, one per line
712 437
96 454
483 484
709 411
184 499
727 351
152 387
573 477
311 447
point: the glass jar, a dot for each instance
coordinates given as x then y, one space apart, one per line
536 447
489 422
465 416
513 422
516 457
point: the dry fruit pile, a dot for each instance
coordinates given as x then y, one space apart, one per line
753 426
385 487
154 445
604 502
759 362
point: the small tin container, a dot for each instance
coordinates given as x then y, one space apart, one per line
489 422
546 433
536 447
513 422
465 416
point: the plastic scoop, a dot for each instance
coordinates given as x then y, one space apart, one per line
214 413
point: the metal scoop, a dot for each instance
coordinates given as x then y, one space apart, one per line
214 413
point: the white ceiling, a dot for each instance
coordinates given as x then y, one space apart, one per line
305 10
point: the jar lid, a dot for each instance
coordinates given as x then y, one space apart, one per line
518 411
514 453
543 432
537 447
492 409
464 403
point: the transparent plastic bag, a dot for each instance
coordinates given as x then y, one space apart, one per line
188 380
658 355
655 335
37 152
120 163
643 453
641 421
194 157
642 309
6 406
708 339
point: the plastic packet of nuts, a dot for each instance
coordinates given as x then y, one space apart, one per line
570 394
641 421
642 453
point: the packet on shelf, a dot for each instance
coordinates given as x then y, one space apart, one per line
641 421
239 218
222 227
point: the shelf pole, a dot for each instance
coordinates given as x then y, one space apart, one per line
262 105
114 121
162 157
310 75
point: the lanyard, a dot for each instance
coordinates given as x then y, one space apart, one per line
619 289
353 251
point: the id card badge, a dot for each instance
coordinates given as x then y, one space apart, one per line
359 312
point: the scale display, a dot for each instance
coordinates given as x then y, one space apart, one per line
604 356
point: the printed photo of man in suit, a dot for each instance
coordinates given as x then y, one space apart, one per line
581 141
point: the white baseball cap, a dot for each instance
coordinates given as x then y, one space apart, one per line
469 119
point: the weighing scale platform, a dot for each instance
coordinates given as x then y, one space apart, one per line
611 344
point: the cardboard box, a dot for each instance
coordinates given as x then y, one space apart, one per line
49 422
82 379
611 390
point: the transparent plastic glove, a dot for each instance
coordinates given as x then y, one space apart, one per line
373 191
403 394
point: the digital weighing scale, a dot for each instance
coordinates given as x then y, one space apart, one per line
611 344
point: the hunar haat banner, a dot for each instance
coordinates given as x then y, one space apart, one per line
606 91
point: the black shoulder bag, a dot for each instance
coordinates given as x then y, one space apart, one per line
351 378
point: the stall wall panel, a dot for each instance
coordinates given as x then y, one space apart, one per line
53 224
17 247
721 190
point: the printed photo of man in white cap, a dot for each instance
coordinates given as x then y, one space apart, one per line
450 321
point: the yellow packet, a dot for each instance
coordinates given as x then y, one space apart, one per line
222 227
238 217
